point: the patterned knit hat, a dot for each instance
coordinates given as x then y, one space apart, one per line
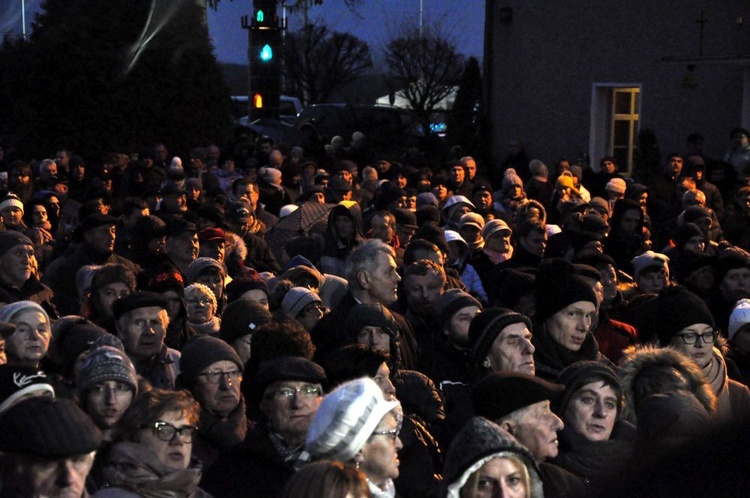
346 419
740 316
17 381
106 363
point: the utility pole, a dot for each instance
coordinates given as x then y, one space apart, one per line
421 17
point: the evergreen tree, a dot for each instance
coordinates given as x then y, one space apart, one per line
100 76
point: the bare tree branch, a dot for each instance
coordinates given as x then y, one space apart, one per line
317 62
425 68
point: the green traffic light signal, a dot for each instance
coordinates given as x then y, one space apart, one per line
266 53
260 17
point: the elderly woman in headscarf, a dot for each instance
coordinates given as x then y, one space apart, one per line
421 459
595 442
27 345
355 424
201 310
211 273
484 460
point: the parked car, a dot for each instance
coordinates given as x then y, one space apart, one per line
387 128
289 107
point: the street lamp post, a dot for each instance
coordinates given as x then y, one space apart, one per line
23 19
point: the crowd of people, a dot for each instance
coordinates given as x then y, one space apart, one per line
364 325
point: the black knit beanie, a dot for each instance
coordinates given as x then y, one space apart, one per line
487 325
513 285
370 315
558 285
452 301
241 318
731 258
678 308
202 352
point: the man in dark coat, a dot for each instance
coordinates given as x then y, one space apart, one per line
97 242
288 391
371 273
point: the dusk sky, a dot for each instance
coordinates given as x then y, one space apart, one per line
374 21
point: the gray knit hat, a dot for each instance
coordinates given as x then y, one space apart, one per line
198 266
346 419
296 299
106 363
8 313
10 239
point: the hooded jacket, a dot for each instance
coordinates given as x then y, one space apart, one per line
638 361
477 443
336 249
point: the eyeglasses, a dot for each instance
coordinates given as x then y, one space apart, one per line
393 434
218 376
308 391
692 337
167 432
202 302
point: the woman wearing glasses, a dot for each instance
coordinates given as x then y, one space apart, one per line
356 425
201 310
154 455
685 324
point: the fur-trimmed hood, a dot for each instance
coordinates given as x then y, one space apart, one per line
235 253
639 360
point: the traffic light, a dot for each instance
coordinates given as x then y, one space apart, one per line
265 60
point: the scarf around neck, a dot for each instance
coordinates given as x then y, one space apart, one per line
496 257
553 358
135 468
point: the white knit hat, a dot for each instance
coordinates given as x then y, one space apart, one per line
11 200
617 185
740 316
345 420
